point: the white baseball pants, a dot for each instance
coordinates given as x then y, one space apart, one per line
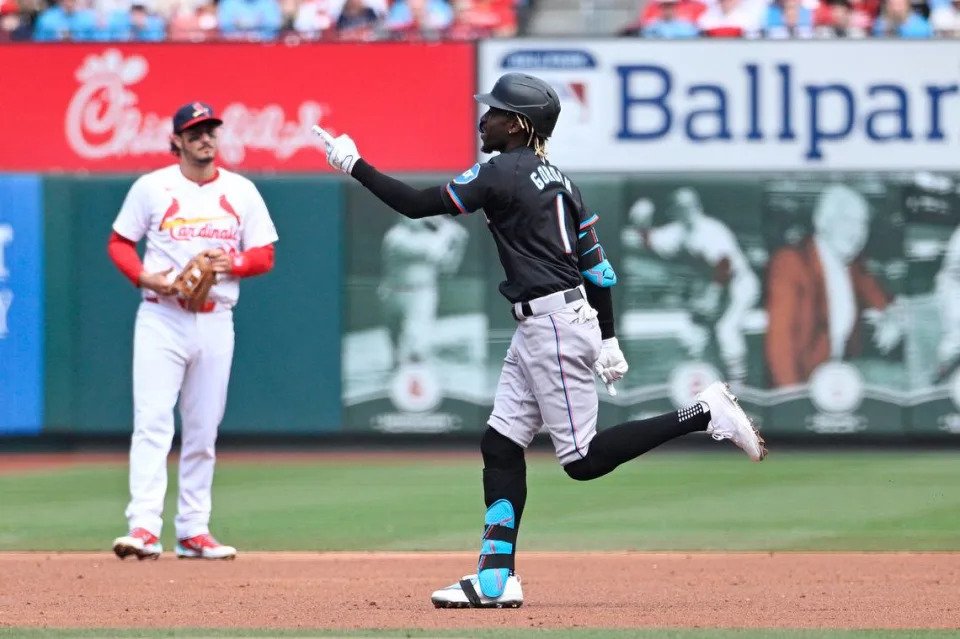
177 353
548 381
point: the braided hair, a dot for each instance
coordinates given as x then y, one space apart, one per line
538 143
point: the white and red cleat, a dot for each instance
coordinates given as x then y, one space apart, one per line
140 542
204 547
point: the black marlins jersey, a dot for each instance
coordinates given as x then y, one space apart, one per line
535 214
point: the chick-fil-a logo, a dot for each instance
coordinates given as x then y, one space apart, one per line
104 119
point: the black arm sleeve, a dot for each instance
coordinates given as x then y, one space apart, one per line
601 298
402 198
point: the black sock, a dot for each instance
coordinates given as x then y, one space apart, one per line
504 474
614 446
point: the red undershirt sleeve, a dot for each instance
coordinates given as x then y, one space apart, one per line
255 261
123 252
249 263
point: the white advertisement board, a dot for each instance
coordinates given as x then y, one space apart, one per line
634 105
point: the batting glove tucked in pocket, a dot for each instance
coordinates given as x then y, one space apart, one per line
584 314
611 366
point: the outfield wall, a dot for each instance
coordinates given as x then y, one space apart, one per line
341 336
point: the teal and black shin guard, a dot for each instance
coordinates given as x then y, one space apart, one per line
496 553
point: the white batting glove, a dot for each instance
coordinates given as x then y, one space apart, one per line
611 366
342 151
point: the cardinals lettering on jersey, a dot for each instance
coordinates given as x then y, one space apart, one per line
223 225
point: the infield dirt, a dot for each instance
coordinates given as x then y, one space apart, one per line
392 590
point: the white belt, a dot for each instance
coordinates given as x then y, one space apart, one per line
549 303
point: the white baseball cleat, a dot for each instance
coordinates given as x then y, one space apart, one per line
466 594
140 542
728 421
204 547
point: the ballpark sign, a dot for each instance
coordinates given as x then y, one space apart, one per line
761 105
108 107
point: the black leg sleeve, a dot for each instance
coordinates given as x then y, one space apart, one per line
614 446
504 473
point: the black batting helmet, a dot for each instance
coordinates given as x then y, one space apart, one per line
529 96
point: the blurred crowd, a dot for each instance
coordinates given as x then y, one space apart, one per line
265 20
259 20
797 19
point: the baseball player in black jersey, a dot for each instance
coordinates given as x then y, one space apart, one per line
558 282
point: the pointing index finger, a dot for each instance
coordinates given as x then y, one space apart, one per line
323 134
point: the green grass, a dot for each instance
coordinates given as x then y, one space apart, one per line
664 501
44 633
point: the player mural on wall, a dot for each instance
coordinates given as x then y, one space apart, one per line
184 209
719 307
818 290
558 283
948 303
416 253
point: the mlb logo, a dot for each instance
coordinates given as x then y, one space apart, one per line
574 94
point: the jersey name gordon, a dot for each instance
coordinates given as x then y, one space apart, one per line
545 174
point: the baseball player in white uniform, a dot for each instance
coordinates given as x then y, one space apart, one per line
415 254
181 210
708 240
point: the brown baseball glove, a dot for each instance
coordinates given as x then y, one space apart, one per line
194 282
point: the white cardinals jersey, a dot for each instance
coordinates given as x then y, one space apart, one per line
180 218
